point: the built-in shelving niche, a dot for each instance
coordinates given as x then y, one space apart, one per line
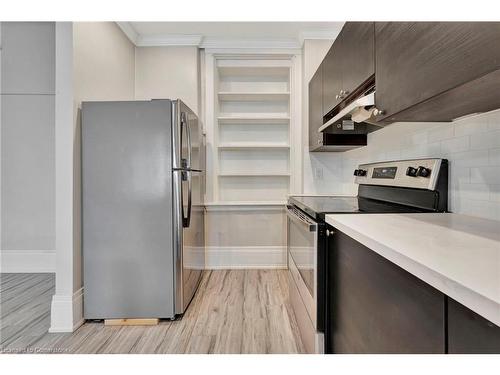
252 103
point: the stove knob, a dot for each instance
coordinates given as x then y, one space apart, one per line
362 172
423 172
412 172
356 172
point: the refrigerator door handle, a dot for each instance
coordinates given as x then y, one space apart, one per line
185 123
187 220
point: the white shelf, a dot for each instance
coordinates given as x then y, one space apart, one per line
253 96
241 145
252 146
261 118
255 69
256 174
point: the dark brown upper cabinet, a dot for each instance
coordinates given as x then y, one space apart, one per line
315 109
436 71
349 63
331 139
358 58
332 77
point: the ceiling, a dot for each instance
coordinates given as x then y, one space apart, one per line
229 34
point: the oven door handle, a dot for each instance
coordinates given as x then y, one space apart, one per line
311 226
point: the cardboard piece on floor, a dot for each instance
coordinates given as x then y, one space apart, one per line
131 322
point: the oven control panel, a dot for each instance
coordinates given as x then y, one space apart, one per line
416 173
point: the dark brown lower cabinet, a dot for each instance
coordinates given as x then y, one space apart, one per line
470 333
375 306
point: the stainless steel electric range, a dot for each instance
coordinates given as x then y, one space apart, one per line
403 186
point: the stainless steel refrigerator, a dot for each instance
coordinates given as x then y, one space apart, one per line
142 208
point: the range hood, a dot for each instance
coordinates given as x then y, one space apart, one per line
346 126
359 110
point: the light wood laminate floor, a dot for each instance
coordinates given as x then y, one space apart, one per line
233 311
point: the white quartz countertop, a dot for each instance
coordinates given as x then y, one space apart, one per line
456 254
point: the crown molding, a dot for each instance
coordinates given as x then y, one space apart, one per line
168 40
240 43
221 43
129 31
330 34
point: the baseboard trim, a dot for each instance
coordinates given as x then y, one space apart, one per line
66 312
245 257
27 261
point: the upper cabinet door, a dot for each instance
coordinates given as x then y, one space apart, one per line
418 60
349 63
358 54
332 76
315 109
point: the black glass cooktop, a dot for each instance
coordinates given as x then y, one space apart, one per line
318 206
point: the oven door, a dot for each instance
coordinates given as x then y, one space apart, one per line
302 241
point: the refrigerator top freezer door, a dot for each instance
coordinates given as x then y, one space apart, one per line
187 138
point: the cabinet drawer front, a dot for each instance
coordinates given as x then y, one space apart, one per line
418 60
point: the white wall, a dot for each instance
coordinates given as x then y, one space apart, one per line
104 69
27 146
245 237
95 61
104 62
168 73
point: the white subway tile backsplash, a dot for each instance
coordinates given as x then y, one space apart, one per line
473 158
494 193
419 138
485 209
494 156
493 120
433 149
420 151
485 175
393 155
445 131
486 140
474 125
494 125
458 175
479 192
455 145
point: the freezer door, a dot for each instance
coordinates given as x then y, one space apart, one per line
196 141
187 137
127 210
